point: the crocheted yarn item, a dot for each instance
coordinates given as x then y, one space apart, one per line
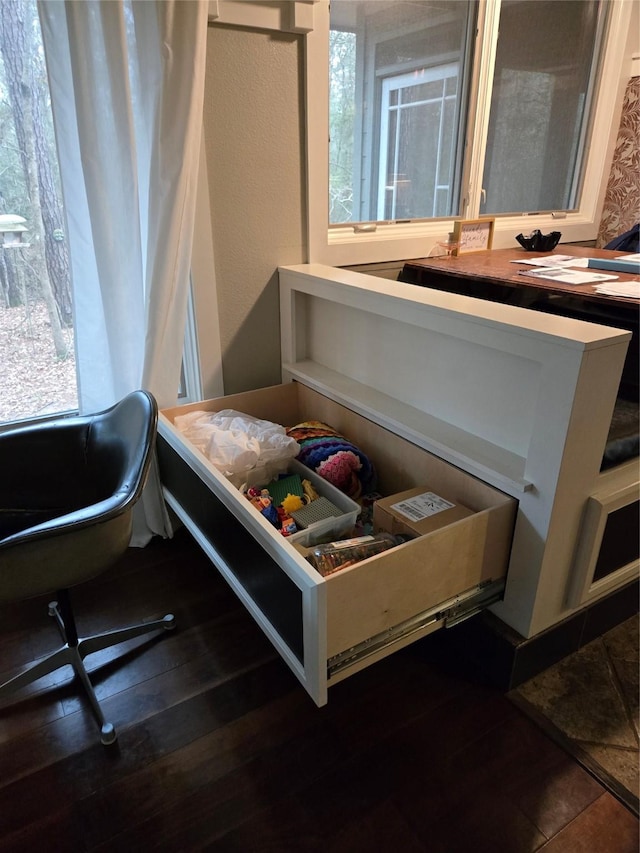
334 458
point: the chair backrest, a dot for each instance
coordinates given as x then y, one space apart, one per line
74 471
120 441
67 501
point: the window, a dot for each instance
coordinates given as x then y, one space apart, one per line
417 138
540 105
397 102
442 110
37 348
36 315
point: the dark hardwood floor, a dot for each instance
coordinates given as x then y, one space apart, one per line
219 747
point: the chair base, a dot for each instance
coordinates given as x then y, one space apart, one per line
74 651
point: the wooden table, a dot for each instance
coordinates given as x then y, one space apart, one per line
496 273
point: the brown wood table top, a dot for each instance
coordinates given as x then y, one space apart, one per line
500 267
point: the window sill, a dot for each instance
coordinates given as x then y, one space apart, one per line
400 241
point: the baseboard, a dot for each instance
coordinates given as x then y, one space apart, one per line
488 647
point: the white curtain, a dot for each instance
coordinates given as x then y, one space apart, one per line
127 88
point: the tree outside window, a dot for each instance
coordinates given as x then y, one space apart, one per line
36 310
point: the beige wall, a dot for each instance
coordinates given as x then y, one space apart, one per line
254 139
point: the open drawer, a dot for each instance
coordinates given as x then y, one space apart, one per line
329 627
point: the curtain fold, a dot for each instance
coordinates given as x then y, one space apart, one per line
127 90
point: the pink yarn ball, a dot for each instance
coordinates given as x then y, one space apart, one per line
341 470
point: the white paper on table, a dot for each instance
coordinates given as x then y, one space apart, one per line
568 276
553 261
630 289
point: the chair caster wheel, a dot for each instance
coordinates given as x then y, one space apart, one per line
169 622
108 734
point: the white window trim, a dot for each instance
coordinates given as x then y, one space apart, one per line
287 16
340 246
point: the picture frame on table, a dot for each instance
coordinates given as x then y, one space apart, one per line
473 235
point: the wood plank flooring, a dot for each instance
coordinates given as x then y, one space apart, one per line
220 749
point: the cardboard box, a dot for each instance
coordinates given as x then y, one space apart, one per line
416 512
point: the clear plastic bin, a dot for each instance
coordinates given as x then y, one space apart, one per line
329 528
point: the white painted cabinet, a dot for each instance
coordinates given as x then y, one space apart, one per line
506 409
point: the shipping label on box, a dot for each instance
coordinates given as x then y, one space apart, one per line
416 512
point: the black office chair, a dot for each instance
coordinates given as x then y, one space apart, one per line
67 492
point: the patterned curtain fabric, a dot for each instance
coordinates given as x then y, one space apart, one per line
622 200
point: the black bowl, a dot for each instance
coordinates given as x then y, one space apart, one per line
537 242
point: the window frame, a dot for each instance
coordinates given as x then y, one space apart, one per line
398 83
341 245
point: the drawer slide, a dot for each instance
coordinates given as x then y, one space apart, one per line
449 613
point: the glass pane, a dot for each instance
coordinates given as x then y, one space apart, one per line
419 140
423 92
342 47
389 198
36 317
398 84
446 151
451 86
539 107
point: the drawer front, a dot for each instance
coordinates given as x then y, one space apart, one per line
312 620
273 592
386 591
